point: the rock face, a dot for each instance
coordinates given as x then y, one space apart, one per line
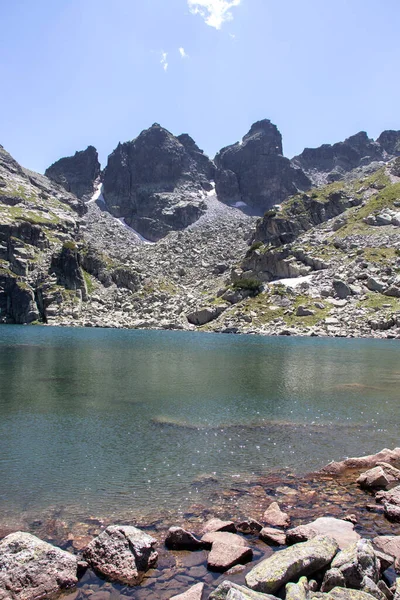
122 554
254 171
330 162
289 564
77 173
156 182
31 568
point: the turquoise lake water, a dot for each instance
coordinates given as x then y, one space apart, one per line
110 419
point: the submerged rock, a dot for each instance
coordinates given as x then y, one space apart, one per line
275 516
32 569
122 553
301 559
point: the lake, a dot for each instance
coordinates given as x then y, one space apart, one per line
101 422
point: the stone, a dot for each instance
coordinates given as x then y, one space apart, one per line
342 290
338 529
293 562
249 526
122 554
32 569
222 591
218 525
224 556
332 578
224 537
273 537
193 593
275 516
356 562
363 462
389 544
392 512
205 315
297 591
370 587
375 478
340 593
180 539
391 496
303 311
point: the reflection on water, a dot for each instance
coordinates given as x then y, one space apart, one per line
111 420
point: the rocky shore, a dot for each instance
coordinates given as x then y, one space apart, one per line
333 533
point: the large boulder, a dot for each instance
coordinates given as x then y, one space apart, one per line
389 544
338 529
156 182
290 564
31 569
77 173
357 562
255 172
122 554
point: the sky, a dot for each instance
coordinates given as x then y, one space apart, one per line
80 72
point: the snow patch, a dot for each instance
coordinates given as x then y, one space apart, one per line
238 204
292 282
98 195
141 238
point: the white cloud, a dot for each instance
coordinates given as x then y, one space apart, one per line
214 12
163 60
183 53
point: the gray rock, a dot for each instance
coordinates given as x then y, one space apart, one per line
339 593
205 315
297 591
342 290
32 569
332 578
356 562
303 311
301 559
122 553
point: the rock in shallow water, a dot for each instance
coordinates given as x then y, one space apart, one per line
224 556
32 569
122 553
301 559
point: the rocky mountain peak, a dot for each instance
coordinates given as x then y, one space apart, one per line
389 140
156 182
266 133
254 172
77 173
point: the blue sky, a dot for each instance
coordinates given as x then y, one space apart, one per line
80 72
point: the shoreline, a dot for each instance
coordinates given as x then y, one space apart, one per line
329 492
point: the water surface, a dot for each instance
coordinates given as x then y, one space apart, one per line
109 420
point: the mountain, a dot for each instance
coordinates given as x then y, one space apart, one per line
157 182
159 247
331 162
254 171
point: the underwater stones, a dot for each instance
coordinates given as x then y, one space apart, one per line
301 559
122 553
224 556
180 539
31 568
